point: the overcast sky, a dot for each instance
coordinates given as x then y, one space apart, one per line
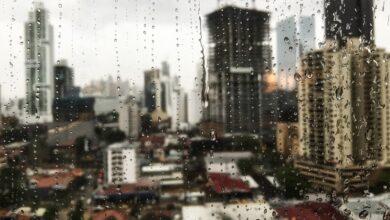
84 34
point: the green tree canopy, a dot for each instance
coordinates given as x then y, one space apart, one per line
12 187
292 182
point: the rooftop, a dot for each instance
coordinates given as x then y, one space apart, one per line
110 214
223 183
214 211
58 180
124 144
311 211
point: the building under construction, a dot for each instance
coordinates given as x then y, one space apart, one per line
239 53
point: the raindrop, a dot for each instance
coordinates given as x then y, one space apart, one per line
347 212
369 135
339 93
297 77
308 74
363 214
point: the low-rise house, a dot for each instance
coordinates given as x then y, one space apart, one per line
115 214
217 210
225 187
143 191
311 211
166 174
46 185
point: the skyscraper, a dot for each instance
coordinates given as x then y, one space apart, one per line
63 80
195 108
343 119
295 36
179 105
166 89
349 18
39 65
286 46
152 90
129 118
239 54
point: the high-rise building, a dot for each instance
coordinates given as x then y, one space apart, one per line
349 18
295 36
306 34
1 112
39 65
130 119
152 90
63 80
195 108
239 53
343 114
166 89
179 115
286 46
120 163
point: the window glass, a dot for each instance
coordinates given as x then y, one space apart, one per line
194 109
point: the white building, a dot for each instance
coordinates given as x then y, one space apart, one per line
165 174
129 119
39 66
243 210
120 163
225 162
295 36
195 98
179 117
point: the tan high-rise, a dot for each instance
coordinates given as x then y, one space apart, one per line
343 114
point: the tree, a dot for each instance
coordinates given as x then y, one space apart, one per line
293 184
81 154
114 135
110 117
39 151
110 135
381 182
78 212
246 165
12 187
51 213
10 121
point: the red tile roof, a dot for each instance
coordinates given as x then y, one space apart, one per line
311 211
223 183
44 181
109 213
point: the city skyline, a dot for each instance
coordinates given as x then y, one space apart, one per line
270 109
88 59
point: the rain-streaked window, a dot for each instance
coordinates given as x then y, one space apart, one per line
194 109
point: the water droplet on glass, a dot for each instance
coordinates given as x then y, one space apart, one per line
308 74
297 77
363 214
339 93
369 135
